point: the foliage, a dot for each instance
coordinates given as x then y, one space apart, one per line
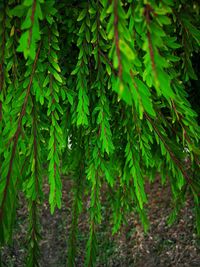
99 91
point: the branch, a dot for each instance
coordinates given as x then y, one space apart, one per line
2 60
148 10
116 18
35 149
17 134
32 21
106 59
173 157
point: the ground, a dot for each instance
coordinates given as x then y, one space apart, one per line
162 246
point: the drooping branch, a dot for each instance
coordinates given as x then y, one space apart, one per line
17 133
53 82
3 41
147 13
95 218
116 34
76 209
171 153
34 197
32 22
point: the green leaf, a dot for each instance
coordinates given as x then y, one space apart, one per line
27 23
18 11
57 77
28 2
82 15
56 66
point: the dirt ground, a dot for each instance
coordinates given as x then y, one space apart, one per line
162 246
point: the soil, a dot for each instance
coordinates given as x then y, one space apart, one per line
162 246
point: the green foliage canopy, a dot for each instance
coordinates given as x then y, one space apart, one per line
98 91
